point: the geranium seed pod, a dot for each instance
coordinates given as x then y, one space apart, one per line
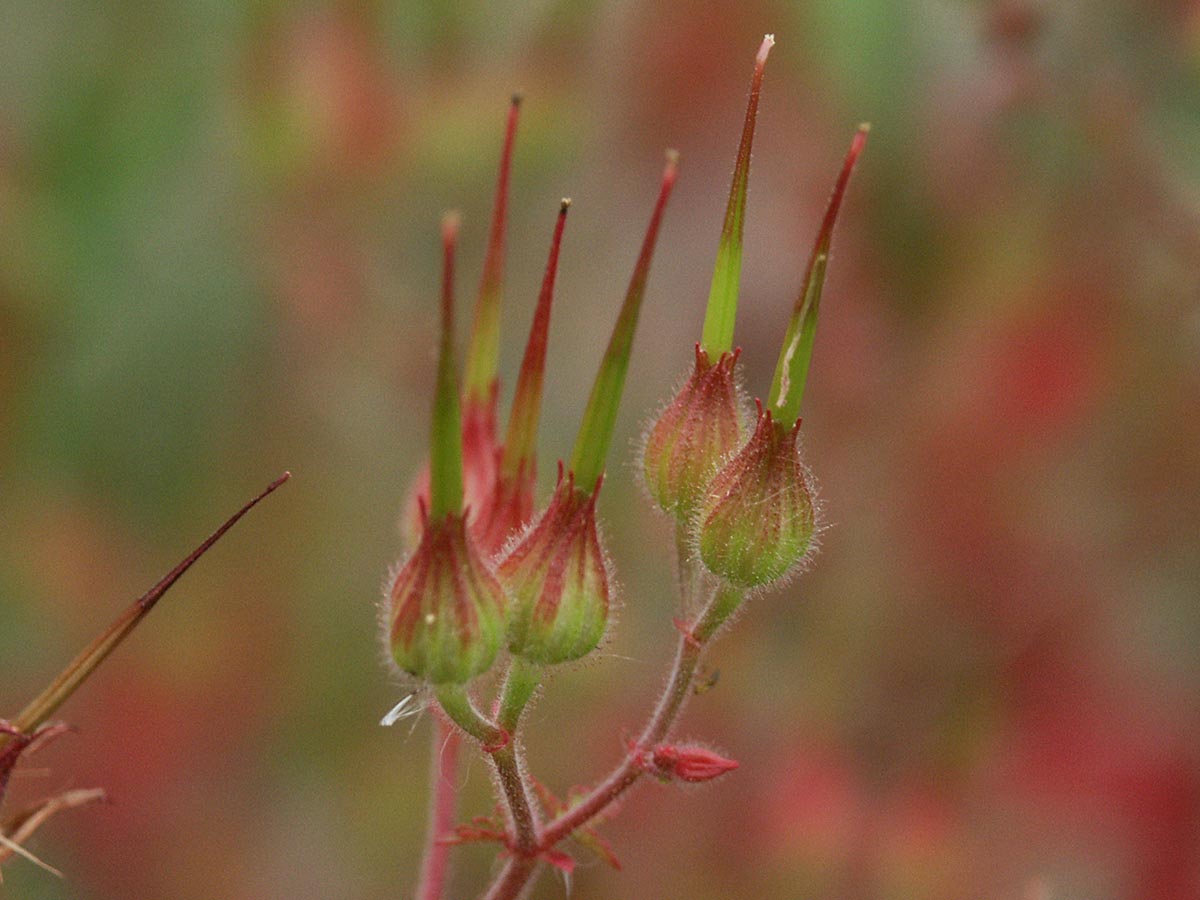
557 577
757 521
696 432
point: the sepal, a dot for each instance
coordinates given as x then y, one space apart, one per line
446 610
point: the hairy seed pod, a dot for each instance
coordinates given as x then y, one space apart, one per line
557 576
757 522
446 610
693 435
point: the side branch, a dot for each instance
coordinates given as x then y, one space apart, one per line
670 704
497 743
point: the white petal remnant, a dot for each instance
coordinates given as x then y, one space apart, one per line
402 710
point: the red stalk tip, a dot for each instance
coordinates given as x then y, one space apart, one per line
484 349
791 371
521 439
764 49
839 191
451 223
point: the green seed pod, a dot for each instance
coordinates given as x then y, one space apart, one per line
757 523
557 576
446 610
697 431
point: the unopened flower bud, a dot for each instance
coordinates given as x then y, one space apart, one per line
557 577
688 763
446 610
697 431
757 522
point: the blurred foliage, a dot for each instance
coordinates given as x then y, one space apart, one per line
218 259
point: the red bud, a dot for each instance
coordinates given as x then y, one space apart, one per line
688 763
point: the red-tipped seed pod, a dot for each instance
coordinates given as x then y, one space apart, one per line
447 609
557 578
697 431
445 615
757 521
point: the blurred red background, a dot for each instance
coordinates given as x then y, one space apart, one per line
219 233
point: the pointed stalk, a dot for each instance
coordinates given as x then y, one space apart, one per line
445 452
44 705
484 348
520 443
791 372
595 434
723 295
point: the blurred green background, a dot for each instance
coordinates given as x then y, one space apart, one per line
218 259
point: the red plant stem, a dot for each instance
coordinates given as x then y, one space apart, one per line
516 794
670 704
443 807
519 869
512 879
498 746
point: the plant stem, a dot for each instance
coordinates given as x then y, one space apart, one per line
518 871
512 879
498 744
689 572
519 685
443 805
670 704
516 793
522 680
456 703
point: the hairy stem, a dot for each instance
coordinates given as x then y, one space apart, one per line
517 872
516 794
522 680
443 805
519 685
670 704
689 572
498 744
512 879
